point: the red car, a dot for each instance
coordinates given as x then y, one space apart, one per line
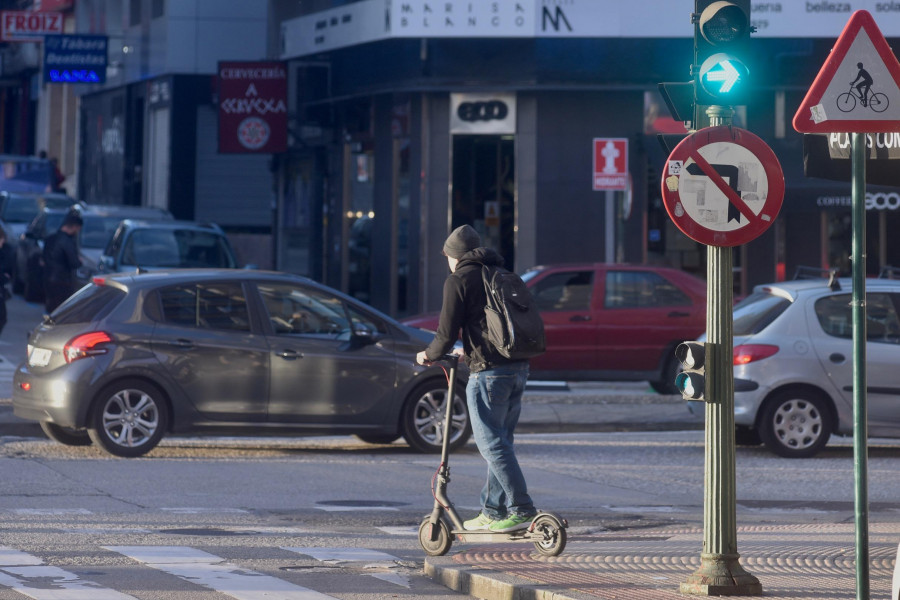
611 322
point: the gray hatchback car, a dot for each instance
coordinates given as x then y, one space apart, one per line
133 357
793 364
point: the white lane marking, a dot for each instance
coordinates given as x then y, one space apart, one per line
191 510
395 578
339 508
344 554
215 573
51 583
51 511
397 530
373 559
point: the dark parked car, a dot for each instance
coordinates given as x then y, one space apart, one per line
133 357
100 223
17 210
148 245
611 321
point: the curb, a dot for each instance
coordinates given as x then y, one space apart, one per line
471 581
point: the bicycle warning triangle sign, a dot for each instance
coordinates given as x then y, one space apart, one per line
858 87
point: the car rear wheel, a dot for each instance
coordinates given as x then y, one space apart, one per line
666 385
423 418
129 418
66 435
795 424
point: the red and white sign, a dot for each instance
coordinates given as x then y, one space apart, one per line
28 26
722 186
252 107
610 164
858 87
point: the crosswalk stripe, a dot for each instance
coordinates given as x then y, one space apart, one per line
344 554
213 572
372 558
17 569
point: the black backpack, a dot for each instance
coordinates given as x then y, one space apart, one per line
514 324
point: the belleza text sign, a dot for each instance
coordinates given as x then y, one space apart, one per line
722 186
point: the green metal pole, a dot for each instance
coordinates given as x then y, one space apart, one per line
860 411
720 572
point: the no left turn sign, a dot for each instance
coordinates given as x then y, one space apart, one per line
722 186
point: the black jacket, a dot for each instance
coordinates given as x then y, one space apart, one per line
463 309
60 258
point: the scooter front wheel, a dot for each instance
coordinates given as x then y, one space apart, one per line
435 541
549 536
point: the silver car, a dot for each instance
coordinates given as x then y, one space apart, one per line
130 358
793 364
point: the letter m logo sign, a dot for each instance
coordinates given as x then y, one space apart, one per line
554 19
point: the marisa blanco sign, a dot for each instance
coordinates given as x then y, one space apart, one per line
372 20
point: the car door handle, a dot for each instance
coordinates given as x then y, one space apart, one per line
676 313
580 318
837 358
182 343
289 354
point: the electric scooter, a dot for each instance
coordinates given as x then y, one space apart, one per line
438 530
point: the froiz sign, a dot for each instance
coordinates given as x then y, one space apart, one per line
27 26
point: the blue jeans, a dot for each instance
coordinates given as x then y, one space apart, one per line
495 401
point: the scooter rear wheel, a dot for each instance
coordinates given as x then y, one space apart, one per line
441 542
550 537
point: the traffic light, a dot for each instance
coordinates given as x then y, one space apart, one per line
691 382
721 38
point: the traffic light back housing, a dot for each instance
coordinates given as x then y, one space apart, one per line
691 382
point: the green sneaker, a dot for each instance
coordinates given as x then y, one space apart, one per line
511 523
481 522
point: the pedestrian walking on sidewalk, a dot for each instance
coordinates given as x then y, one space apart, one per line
7 260
496 384
60 261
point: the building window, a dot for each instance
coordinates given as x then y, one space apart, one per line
134 12
157 8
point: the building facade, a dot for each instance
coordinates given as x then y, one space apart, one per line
413 117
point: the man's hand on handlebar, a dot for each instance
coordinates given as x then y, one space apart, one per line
423 360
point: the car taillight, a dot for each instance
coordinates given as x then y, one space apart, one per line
748 353
86 344
98 280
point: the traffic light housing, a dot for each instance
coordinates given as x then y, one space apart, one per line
721 50
691 382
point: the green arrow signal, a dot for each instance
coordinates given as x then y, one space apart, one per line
728 75
723 75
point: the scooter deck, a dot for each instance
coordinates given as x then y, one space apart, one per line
492 536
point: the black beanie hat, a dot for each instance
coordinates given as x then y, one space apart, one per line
461 240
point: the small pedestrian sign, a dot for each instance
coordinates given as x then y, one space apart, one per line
610 164
858 87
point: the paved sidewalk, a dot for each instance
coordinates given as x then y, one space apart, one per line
791 562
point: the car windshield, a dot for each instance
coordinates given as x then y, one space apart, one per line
97 230
23 209
180 248
756 311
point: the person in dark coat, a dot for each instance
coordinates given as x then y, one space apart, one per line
60 261
496 384
7 261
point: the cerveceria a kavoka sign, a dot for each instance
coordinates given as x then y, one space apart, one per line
252 107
